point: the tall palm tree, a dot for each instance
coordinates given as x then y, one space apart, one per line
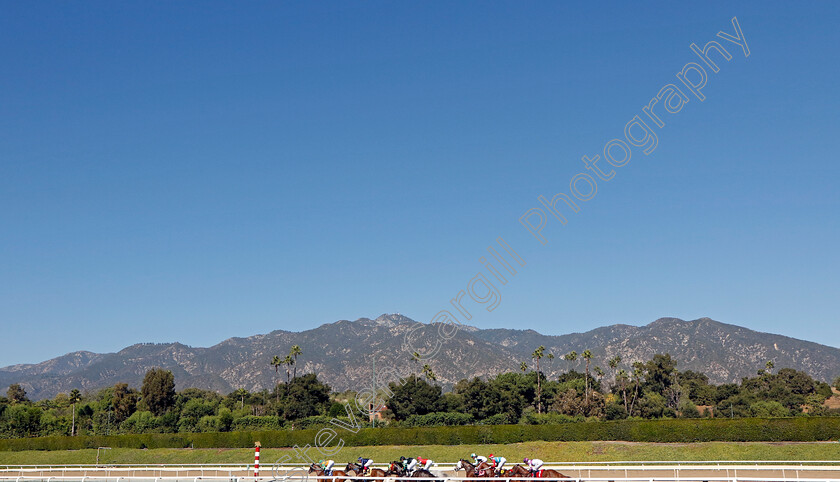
294 352
638 371
621 380
415 358
276 362
550 357
613 363
598 372
536 356
75 397
241 392
571 356
288 361
587 355
430 375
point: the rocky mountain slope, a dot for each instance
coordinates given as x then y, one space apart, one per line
343 354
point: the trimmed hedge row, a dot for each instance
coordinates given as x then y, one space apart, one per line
798 429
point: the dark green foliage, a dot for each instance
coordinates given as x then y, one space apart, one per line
414 397
124 401
307 397
615 411
158 390
475 410
801 429
16 394
439 419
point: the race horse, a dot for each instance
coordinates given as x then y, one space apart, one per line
481 470
339 475
522 472
396 468
359 470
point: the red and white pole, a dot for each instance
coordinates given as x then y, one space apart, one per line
256 460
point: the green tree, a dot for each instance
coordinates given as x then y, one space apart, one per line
414 397
307 397
415 358
430 375
124 401
613 364
537 356
523 366
276 361
659 373
158 390
16 393
571 357
295 352
587 355
638 374
550 357
75 397
241 393
288 362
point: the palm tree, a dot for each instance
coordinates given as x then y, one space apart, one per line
294 352
241 392
430 375
288 361
599 373
613 363
621 380
550 357
637 380
75 397
587 355
523 366
276 362
536 356
415 358
770 366
571 356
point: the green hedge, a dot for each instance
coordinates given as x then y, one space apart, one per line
798 429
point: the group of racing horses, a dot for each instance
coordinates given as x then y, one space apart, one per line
396 469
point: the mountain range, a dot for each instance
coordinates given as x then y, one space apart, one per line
345 354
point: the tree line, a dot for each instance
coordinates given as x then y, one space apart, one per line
648 390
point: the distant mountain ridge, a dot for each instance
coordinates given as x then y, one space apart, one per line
343 353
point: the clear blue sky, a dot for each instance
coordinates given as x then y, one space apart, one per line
192 171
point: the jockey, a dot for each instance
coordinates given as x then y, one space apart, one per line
478 459
327 465
498 462
427 463
365 463
409 464
534 465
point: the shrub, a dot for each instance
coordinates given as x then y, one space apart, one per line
439 419
531 418
498 419
798 429
251 422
